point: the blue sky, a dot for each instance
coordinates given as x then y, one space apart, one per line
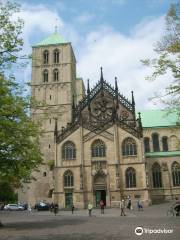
122 15
114 34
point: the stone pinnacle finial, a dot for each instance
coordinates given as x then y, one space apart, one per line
132 94
88 89
101 79
116 86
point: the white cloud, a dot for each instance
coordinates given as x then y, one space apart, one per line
118 54
84 18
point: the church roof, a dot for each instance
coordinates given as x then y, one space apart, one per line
158 118
53 39
162 154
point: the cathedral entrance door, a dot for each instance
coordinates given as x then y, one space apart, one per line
100 195
68 200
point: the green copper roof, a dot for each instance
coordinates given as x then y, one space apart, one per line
158 118
162 154
53 39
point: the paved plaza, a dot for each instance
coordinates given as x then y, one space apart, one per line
79 226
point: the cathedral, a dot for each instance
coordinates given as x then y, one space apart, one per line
95 145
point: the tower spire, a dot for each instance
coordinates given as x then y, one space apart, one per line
116 86
132 94
133 106
101 78
88 89
116 92
88 95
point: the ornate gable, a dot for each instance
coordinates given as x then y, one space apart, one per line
102 107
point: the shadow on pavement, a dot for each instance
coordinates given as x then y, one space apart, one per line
53 223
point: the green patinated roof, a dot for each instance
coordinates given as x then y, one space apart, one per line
162 154
53 39
158 118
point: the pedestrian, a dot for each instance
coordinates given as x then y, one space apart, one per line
52 207
90 207
102 206
56 208
129 203
139 205
29 208
122 207
72 208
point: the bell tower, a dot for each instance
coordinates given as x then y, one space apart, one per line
54 88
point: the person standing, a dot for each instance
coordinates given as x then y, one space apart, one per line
102 206
129 203
56 208
72 208
139 204
29 208
122 207
90 207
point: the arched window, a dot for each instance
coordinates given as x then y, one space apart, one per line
165 144
155 140
173 140
45 75
129 147
176 174
146 145
98 148
56 56
156 174
45 57
68 179
55 75
68 151
130 178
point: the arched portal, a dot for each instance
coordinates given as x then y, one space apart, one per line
100 187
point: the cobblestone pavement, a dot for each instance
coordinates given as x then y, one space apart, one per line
65 226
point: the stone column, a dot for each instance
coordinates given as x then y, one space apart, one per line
166 182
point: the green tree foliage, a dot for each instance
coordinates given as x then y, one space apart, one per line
168 56
19 135
7 193
11 41
19 142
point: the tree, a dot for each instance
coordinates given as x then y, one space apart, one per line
11 41
19 141
7 193
168 57
19 135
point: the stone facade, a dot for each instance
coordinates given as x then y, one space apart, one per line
93 144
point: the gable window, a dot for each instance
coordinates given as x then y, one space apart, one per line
176 174
98 148
165 144
156 174
129 147
45 57
56 56
68 151
155 140
68 179
55 75
45 75
146 145
130 178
